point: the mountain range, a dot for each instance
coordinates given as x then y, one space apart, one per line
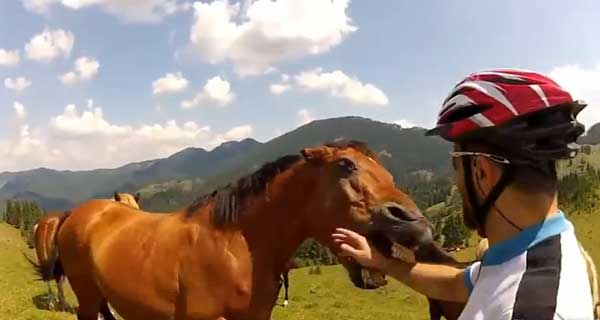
592 136
59 190
171 182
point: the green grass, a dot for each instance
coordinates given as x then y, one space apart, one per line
17 281
588 233
332 296
326 296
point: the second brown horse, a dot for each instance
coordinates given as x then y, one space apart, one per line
48 265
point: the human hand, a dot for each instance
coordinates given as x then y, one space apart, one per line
356 246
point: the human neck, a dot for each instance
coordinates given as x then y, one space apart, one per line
522 209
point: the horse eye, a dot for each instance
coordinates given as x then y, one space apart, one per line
347 165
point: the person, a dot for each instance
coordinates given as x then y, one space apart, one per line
509 127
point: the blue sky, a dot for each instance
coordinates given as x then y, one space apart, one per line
386 60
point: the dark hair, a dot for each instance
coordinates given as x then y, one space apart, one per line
229 199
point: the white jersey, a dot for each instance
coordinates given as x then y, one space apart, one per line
539 274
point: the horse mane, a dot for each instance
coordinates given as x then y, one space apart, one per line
228 200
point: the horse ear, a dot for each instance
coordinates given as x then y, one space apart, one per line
137 197
116 196
315 154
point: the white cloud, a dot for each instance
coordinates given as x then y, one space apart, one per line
9 58
87 67
234 134
50 44
268 32
24 150
73 124
18 84
69 78
126 10
39 6
84 69
583 84
238 133
83 138
216 92
305 116
20 111
170 83
404 123
281 87
336 84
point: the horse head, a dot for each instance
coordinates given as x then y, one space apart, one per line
127 199
353 190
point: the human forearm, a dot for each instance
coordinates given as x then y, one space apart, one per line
435 281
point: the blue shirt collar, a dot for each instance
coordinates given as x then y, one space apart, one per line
508 249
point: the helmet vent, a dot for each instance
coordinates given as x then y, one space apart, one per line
464 112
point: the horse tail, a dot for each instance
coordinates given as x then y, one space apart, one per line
48 266
593 278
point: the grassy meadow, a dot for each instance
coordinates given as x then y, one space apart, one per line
17 281
320 297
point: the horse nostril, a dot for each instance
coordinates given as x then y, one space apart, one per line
401 214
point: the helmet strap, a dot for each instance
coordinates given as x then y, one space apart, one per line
482 211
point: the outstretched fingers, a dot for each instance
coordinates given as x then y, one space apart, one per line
349 242
348 233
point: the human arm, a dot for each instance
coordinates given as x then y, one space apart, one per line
433 280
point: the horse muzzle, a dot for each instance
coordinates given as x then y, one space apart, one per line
395 232
392 224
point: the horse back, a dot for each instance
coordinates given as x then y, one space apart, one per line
90 222
89 213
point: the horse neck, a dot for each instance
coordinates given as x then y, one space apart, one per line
276 223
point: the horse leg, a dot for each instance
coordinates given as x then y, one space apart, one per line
279 285
286 285
50 293
62 301
88 295
105 311
51 296
434 310
89 306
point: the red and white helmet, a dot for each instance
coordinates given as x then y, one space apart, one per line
514 106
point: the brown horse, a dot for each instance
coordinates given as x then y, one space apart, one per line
48 265
221 257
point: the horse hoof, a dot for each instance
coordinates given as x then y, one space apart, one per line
285 303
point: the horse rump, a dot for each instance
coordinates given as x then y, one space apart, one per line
48 266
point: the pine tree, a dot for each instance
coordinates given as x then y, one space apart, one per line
21 213
11 212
